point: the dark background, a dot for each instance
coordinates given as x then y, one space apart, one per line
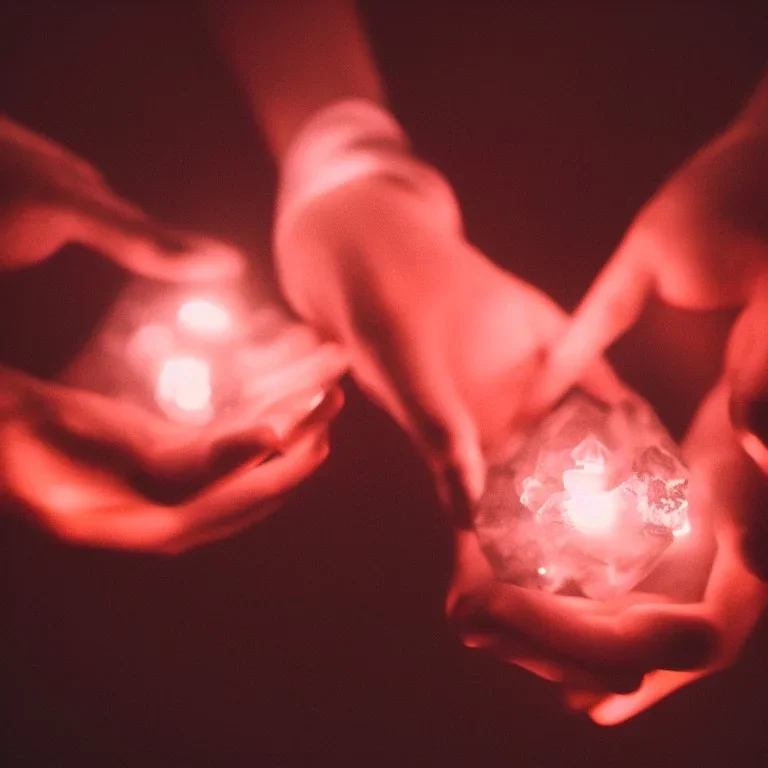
318 637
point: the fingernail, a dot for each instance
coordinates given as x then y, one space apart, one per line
611 712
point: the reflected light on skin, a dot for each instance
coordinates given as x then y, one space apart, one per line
204 317
185 383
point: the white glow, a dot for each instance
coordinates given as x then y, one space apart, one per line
592 513
185 382
683 530
151 342
205 317
590 509
584 481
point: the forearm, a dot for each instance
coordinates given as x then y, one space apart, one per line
294 57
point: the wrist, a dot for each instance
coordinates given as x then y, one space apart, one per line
345 142
350 161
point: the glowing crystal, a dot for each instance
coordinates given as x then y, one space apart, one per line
184 389
587 503
200 356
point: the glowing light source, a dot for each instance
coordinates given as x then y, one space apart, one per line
184 383
588 503
590 509
204 317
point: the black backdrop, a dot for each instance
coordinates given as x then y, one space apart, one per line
318 637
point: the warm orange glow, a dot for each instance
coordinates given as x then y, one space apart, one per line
205 317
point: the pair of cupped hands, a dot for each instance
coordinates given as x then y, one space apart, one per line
461 354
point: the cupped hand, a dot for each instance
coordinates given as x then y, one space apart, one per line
54 439
700 243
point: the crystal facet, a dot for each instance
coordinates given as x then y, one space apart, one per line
588 502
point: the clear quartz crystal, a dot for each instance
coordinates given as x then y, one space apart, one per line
587 503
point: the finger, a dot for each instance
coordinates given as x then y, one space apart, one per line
77 503
92 507
40 146
244 507
238 492
611 306
555 667
657 686
301 416
422 396
223 530
445 428
294 386
129 237
155 444
638 638
747 374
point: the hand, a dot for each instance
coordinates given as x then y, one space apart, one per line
370 250
617 658
50 433
700 243
728 489
50 197
436 334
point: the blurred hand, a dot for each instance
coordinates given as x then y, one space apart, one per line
49 433
50 197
